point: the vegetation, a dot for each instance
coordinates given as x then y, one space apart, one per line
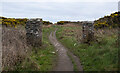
62 22
110 21
65 22
98 56
47 23
41 60
12 22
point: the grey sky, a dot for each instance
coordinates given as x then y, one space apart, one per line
119 6
56 11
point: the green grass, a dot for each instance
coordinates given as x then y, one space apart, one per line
42 59
101 56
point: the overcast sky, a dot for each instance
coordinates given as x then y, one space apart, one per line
52 10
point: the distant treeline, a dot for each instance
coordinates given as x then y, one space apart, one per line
65 22
47 23
110 21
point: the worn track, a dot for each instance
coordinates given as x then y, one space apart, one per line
64 63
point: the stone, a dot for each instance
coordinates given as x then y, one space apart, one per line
88 32
34 32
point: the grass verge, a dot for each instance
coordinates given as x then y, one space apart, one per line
101 56
43 59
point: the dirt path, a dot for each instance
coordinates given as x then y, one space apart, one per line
64 63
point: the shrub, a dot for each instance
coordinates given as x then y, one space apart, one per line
110 21
47 23
12 22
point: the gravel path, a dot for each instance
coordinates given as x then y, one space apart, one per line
64 63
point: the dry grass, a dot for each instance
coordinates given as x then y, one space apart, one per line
46 26
108 32
14 47
70 25
102 33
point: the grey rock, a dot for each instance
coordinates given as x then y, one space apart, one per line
34 32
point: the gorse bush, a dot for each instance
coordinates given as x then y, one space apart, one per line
47 23
62 22
68 22
12 22
110 21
